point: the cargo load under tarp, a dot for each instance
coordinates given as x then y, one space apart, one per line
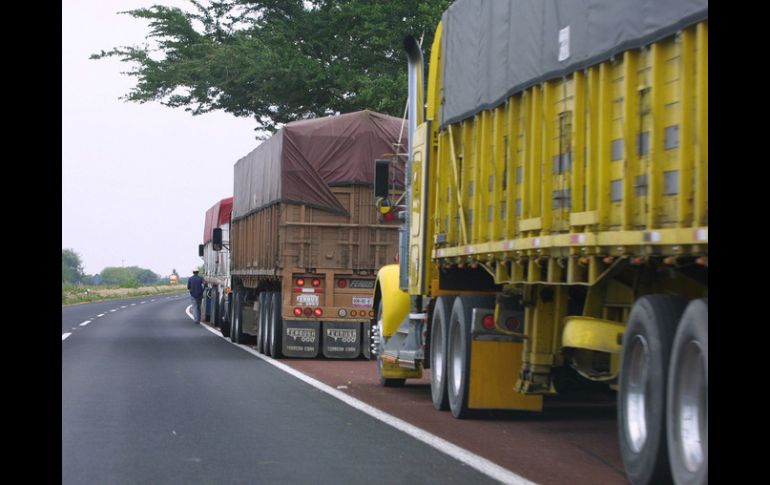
217 215
305 158
493 50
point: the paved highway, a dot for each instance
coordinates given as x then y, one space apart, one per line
150 397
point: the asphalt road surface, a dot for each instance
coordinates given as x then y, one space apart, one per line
149 397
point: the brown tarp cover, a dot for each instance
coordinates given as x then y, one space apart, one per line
216 216
304 158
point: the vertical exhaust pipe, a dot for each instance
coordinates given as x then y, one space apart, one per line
416 116
416 103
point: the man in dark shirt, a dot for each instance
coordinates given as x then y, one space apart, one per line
195 284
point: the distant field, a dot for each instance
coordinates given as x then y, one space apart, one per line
88 294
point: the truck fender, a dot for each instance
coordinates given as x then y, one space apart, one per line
394 301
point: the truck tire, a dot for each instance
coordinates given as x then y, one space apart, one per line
687 411
226 321
260 320
642 391
439 336
237 335
385 382
206 304
459 352
265 324
215 307
276 325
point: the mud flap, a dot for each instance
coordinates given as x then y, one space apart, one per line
300 339
495 365
341 340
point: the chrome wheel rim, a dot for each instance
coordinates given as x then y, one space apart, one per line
690 406
455 354
437 353
636 393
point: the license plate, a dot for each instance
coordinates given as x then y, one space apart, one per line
310 300
362 284
365 301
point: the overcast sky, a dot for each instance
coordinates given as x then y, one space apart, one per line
137 179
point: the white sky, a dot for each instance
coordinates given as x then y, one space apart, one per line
137 179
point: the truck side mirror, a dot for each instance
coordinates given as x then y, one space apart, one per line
200 250
217 239
381 172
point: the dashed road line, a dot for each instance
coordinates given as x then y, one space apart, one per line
85 323
65 335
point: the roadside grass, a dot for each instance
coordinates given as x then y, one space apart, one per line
72 295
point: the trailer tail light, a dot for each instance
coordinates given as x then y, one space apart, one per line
318 312
316 282
300 282
298 312
342 283
353 313
513 324
371 313
308 312
342 312
489 322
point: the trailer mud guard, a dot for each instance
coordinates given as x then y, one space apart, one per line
341 340
300 339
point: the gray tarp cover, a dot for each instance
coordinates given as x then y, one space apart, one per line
304 158
494 48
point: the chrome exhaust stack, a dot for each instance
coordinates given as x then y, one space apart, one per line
416 116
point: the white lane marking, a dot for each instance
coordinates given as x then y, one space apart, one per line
188 311
101 315
473 460
85 323
113 310
65 335
153 299
133 304
142 302
124 306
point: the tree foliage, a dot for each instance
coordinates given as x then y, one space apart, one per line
128 277
278 60
71 266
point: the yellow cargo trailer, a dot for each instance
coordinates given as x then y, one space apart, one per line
557 220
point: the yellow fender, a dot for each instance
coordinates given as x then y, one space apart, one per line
394 301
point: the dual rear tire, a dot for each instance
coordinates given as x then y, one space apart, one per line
450 351
663 391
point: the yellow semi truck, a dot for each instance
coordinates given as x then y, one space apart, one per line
556 219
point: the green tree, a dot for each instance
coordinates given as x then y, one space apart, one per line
71 266
128 277
278 60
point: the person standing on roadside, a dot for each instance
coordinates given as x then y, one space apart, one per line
195 284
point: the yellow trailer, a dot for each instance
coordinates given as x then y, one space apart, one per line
557 221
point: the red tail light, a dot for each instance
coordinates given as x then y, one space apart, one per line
489 322
318 312
353 313
308 312
298 312
371 313
316 282
300 282
342 283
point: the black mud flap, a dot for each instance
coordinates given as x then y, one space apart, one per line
341 340
300 339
